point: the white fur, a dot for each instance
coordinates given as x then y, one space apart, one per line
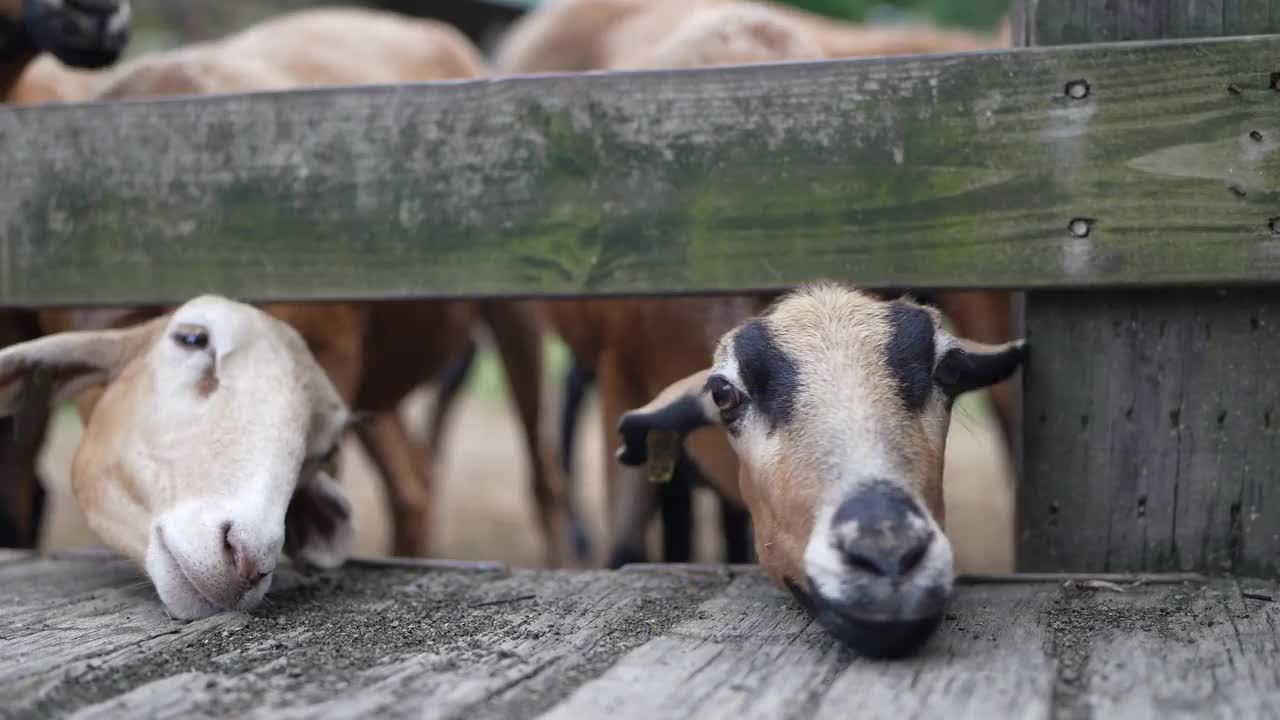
192 455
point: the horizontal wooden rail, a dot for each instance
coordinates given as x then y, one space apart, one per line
1101 165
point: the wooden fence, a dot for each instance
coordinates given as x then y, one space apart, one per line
1131 188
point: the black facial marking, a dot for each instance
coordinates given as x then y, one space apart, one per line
769 374
682 416
880 503
909 354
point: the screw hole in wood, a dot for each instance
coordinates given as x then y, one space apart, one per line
1076 89
1081 227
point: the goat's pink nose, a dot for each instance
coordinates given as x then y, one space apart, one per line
246 567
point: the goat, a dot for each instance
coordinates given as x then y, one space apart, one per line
47 50
836 404
209 451
80 35
611 339
362 346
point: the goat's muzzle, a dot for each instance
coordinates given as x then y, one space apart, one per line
880 574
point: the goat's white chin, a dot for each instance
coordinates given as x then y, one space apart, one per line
181 597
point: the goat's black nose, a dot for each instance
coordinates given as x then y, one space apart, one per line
881 530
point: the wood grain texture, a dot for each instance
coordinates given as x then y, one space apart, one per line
1146 429
946 171
82 636
1208 653
1097 21
1152 432
745 656
77 639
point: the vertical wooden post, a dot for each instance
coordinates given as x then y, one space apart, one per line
1151 423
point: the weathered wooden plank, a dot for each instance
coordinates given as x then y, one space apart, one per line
749 654
1148 438
1189 653
390 640
59 618
685 642
1147 415
944 171
1083 21
725 662
8 555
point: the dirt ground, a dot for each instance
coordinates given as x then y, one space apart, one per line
484 507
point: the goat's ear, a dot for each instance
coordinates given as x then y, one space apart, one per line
317 525
678 410
69 362
969 365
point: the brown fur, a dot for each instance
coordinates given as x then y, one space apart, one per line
30 78
375 353
619 338
847 428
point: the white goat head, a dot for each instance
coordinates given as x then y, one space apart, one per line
209 451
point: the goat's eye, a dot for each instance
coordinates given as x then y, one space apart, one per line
727 398
191 336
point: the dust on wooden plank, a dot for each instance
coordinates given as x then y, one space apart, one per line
938 171
1181 652
746 655
492 644
465 644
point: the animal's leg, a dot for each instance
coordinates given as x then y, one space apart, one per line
632 497
518 335
22 506
451 381
735 522
22 494
408 481
675 503
577 382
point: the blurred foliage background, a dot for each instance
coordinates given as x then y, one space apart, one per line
977 14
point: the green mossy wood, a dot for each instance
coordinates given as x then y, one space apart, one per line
1148 433
943 171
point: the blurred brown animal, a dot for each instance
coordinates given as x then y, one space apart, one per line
47 52
369 350
615 339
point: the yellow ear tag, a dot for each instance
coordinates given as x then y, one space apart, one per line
661 448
